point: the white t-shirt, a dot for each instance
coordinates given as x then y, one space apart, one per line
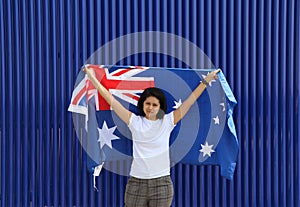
151 146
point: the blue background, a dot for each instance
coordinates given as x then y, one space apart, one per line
44 43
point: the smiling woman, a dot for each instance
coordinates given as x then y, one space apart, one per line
152 103
151 108
150 183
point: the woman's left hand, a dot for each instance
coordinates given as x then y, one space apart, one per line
212 75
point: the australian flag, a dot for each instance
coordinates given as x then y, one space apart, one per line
205 136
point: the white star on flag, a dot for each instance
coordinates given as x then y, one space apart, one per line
204 76
106 135
223 104
217 120
177 104
206 149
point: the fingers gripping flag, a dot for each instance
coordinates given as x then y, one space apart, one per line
205 136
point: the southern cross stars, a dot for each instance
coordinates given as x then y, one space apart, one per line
216 119
177 104
206 149
223 105
106 135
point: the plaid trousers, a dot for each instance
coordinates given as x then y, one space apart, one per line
156 192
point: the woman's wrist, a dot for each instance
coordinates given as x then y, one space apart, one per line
205 82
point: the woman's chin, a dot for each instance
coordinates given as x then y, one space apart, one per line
151 116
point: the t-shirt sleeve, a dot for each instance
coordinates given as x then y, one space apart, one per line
170 119
133 121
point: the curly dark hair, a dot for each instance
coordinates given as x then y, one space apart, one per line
157 93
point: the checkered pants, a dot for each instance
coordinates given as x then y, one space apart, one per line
149 192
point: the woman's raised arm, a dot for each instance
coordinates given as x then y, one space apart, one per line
119 109
181 111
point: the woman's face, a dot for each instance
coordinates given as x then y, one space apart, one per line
151 106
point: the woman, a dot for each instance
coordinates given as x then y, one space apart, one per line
150 183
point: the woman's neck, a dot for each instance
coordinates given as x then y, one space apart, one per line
151 118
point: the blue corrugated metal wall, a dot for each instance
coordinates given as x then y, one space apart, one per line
44 43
